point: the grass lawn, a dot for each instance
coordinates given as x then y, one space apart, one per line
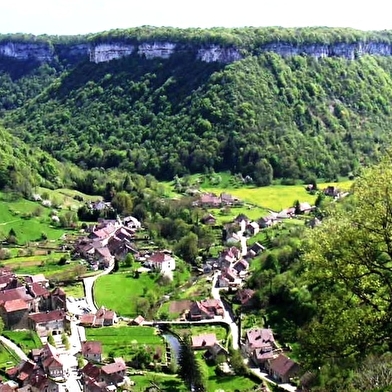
194 330
65 197
148 285
20 216
75 290
225 383
228 215
45 264
124 341
26 340
196 291
276 197
228 383
119 291
8 358
167 382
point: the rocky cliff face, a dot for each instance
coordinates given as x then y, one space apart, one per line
24 51
103 52
149 50
347 50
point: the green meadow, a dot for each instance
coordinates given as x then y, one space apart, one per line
124 341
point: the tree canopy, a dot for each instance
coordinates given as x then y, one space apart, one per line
348 262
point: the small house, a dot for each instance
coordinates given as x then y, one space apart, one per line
92 351
282 368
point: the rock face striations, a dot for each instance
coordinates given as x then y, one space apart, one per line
115 48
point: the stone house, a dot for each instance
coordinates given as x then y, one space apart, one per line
161 261
15 314
56 322
92 351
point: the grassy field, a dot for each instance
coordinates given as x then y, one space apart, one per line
45 264
194 330
22 216
120 291
65 197
26 340
8 358
29 219
147 285
274 197
124 341
75 290
167 382
228 215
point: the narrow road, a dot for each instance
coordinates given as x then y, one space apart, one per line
227 317
88 284
12 346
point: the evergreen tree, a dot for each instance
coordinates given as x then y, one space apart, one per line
189 369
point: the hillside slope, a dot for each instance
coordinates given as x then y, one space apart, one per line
23 167
265 115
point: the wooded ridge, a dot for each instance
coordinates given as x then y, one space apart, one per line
266 115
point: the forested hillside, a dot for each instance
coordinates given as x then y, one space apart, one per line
265 115
22 167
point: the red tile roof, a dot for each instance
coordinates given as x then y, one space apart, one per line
160 257
15 305
18 293
260 337
282 365
205 340
38 290
114 367
45 317
91 370
92 348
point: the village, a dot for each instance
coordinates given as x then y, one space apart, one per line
68 361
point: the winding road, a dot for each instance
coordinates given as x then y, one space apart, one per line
227 315
88 284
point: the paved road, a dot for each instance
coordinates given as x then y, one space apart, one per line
11 345
227 314
88 284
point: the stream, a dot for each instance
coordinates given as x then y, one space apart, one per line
174 344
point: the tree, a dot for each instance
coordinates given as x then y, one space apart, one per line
11 238
187 248
189 367
122 202
51 339
129 260
69 219
65 341
348 263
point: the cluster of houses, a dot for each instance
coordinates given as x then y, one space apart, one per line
44 370
41 372
27 303
261 348
104 378
106 241
211 200
233 268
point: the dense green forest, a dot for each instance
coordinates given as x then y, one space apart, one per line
22 166
266 116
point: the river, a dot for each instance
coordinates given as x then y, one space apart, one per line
174 344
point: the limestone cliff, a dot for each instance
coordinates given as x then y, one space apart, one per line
212 52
